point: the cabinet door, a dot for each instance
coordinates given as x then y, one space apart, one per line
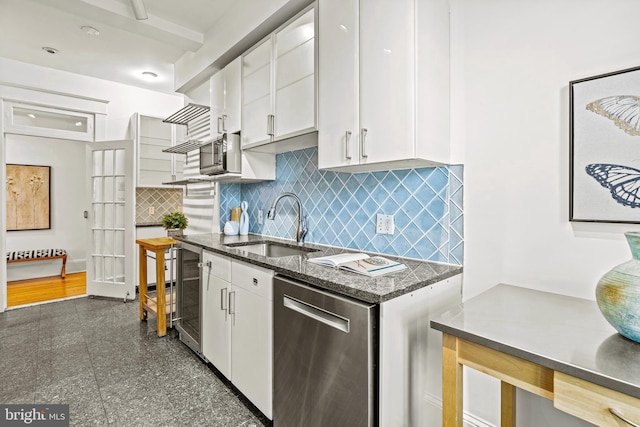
338 83
232 96
252 347
257 102
295 84
216 89
153 136
216 324
387 92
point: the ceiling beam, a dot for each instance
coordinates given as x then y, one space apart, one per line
120 15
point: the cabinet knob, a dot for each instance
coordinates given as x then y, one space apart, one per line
255 282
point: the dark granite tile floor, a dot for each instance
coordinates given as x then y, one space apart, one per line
111 368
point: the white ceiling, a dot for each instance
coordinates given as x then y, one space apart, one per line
125 47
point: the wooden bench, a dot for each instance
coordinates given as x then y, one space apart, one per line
39 255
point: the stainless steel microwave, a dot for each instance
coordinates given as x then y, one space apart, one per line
221 155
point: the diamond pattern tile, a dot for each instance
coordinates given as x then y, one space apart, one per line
164 200
341 207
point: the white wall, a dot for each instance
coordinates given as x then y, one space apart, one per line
511 64
68 201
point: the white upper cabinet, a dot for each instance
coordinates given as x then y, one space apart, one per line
152 135
232 96
226 99
279 84
383 84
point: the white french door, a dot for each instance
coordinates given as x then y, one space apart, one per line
110 258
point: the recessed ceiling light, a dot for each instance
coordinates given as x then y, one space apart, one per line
149 75
78 123
50 50
90 30
33 116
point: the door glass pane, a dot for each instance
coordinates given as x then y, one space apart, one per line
98 238
108 269
119 270
108 162
108 242
108 215
108 189
97 163
98 215
119 216
97 189
119 242
119 162
119 197
97 268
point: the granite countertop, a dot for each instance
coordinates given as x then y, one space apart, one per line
418 274
559 332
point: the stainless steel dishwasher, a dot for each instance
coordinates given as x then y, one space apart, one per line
324 358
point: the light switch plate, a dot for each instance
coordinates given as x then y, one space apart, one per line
152 210
260 218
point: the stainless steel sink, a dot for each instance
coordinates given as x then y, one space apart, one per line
271 249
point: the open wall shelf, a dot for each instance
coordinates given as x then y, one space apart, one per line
186 114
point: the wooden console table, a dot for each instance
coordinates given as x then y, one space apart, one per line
161 303
555 346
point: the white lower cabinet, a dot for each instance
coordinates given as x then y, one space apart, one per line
216 321
237 327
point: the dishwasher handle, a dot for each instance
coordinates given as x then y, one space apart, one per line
316 313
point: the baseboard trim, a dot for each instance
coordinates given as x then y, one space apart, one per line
468 419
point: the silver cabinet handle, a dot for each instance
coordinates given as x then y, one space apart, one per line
224 122
219 127
271 122
223 299
617 414
363 137
347 137
204 264
232 302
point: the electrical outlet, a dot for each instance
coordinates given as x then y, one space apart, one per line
260 218
384 224
391 227
381 224
152 210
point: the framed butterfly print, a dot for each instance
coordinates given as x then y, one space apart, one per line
605 148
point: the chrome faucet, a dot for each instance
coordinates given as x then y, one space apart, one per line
302 222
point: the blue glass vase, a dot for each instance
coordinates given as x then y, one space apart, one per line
618 293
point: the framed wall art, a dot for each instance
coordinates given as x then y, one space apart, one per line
605 148
28 197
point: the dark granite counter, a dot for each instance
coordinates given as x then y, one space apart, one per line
418 274
559 332
148 224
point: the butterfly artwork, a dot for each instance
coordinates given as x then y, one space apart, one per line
605 147
623 110
622 181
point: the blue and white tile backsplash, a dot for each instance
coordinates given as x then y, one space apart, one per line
341 207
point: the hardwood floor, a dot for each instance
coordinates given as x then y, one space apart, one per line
45 289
